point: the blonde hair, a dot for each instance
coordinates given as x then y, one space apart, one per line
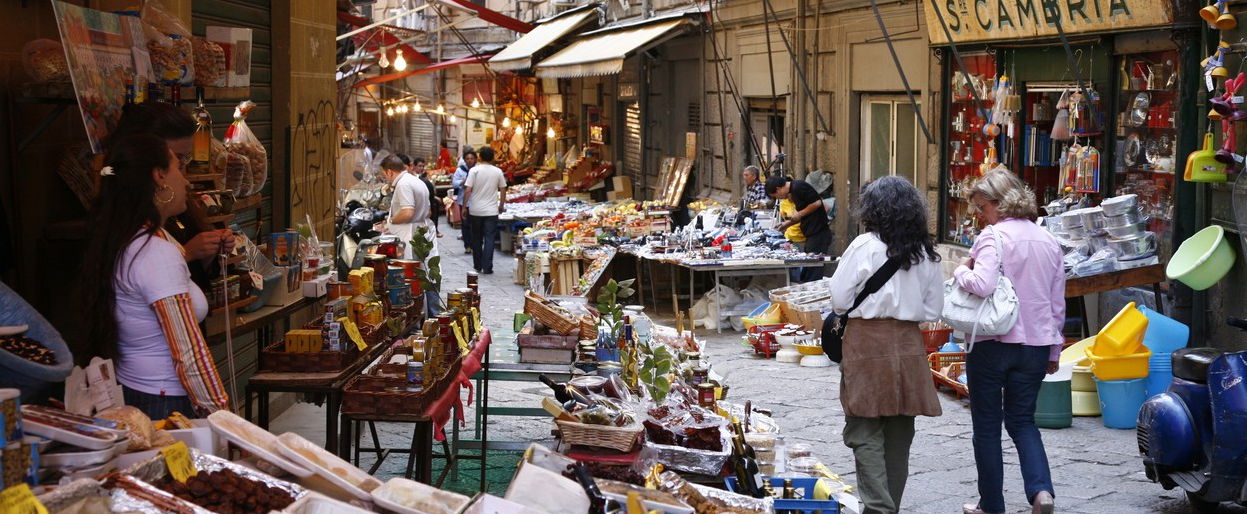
1012 197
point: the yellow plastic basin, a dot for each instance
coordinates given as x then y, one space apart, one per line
1122 367
1123 335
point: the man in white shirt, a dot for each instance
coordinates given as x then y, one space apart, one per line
409 207
485 191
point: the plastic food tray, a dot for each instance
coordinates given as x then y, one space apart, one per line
90 437
254 440
388 494
340 472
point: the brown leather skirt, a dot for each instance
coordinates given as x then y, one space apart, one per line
885 371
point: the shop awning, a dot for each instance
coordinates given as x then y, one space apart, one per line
603 52
471 59
519 55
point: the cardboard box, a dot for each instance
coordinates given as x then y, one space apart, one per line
237 45
621 183
289 286
619 195
316 288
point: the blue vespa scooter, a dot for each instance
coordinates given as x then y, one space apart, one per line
1194 435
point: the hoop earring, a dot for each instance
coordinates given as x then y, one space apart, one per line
163 188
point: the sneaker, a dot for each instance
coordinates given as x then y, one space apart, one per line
1042 504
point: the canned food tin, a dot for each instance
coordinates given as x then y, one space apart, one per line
400 297
415 373
416 290
408 266
395 279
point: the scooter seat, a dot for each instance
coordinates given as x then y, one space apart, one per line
1192 363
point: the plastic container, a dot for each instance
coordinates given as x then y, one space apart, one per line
1159 373
1202 260
1122 335
1120 401
1082 380
1085 403
1077 352
1054 408
1164 334
1122 367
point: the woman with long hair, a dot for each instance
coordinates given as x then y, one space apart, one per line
1004 373
139 303
885 379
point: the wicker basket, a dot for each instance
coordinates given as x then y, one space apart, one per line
542 310
588 328
934 339
602 436
369 394
275 358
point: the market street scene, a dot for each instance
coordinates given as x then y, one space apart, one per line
626 257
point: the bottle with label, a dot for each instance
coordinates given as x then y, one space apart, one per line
201 153
789 492
631 356
748 478
450 346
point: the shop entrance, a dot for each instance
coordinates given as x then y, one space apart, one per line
889 138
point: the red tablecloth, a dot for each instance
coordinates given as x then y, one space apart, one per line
440 410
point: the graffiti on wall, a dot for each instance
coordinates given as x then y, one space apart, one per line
313 167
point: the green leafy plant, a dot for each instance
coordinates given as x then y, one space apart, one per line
609 307
430 274
655 367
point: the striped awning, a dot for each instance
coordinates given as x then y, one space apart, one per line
603 52
519 55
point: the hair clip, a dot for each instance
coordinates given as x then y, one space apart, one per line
107 171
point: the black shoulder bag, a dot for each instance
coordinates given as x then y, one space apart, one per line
833 326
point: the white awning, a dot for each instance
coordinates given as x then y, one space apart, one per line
604 54
519 55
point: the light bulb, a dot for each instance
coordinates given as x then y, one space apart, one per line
402 108
384 61
389 111
519 129
440 109
550 133
417 107
400 63
453 119
506 122
476 104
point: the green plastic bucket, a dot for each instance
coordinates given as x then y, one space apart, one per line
1054 407
1202 260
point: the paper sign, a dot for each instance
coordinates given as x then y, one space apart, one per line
459 336
178 459
257 281
352 331
476 319
19 499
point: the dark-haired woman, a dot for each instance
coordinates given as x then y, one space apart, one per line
885 379
176 127
140 305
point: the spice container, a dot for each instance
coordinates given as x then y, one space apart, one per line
705 395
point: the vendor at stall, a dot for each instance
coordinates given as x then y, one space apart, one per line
811 215
755 191
409 207
139 303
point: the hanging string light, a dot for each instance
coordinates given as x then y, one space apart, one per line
476 104
417 107
400 63
506 122
402 108
550 133
454 119
384 61
389 111
440 109
519 130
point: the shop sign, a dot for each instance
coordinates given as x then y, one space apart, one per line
629 91
987 20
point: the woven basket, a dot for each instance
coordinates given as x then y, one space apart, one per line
275 358
588 328
369 395
542 310
602 436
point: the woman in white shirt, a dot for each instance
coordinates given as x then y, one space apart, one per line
885 381
139 303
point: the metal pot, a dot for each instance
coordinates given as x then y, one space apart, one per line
1097 243
1119 205
1076 233
1092 220
1122 220
1130 230
1134 247
1055 224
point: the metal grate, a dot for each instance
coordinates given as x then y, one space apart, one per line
694 117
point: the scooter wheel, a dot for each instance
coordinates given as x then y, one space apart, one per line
1200 505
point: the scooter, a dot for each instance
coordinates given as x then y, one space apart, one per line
1192 435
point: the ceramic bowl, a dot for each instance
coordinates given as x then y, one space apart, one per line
816 361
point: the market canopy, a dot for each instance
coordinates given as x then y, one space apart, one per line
603 52
471 59
519 55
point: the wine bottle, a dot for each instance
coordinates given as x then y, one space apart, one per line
560 390
748 479
597 501
748 447
201 153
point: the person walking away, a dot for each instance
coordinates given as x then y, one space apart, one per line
755 190
885 379
409 205
456 183
811 214
138 302
486 193
1004 373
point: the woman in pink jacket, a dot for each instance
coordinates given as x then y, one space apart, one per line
1005 372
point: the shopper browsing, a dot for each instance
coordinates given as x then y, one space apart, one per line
140 305
811 214
1004 373
456 183
885 379
486 192
409 205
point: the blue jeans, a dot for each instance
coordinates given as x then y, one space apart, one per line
1004 380
484 234
465 229
158 406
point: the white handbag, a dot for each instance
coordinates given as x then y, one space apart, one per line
975 315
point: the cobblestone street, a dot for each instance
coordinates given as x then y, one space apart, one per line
1096 470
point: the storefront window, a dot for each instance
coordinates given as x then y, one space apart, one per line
968 145
1147 138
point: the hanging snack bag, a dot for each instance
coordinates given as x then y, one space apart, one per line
169 43
209 61
240 140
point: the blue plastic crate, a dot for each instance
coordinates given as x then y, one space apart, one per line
806 485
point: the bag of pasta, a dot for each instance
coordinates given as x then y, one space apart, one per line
169 44
240 140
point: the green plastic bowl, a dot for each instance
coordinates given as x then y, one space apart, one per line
1202 260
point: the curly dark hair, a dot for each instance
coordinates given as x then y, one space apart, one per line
894 209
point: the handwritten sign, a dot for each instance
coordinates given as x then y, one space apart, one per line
352 331
476 319
178 459
19 499
460 336
986 20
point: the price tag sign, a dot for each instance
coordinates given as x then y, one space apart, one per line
178 459
19 499
352 331
256 280
476 319
459 336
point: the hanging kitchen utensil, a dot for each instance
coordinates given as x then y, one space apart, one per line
1214 65
1139 109
1089 170
1202 165
1134 155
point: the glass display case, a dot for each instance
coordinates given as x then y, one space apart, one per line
1147 138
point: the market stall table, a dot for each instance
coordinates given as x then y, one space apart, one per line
1077 288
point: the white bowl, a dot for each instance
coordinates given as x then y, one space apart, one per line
816 361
